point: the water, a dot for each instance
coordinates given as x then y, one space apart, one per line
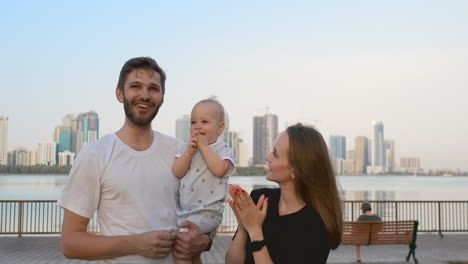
402 188
412 188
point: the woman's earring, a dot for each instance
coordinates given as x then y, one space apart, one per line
293 176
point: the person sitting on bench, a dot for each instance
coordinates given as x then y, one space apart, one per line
367 215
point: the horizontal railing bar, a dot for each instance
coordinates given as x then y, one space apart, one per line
45 217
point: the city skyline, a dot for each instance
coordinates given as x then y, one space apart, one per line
265 130
336 64
68 138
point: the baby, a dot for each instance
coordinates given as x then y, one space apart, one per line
203 167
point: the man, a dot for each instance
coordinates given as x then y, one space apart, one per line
367 215
127 177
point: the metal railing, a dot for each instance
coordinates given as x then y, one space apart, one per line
34 217
45 217
433 216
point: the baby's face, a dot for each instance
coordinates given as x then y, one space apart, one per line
205 121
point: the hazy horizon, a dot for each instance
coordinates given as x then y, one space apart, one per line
337 64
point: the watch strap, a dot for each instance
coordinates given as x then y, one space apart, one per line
255 245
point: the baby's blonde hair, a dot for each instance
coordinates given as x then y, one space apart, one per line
213 100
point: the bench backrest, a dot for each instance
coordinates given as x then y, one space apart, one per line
373 233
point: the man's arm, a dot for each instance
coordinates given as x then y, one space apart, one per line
189 243
77 243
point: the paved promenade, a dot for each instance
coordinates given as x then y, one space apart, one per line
431 249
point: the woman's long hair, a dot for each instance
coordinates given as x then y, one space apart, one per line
315 177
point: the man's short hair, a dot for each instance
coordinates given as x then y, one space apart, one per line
366 207
146 63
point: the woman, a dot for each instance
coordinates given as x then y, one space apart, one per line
300 221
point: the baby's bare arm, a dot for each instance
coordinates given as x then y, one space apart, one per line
216 165
181 165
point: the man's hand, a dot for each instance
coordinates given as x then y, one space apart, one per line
154 244
77 243
189 243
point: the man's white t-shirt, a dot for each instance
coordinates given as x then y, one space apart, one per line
133 191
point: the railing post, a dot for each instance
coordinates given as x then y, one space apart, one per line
396 211
20 218
440 220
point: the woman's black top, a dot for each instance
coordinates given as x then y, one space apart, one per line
300 237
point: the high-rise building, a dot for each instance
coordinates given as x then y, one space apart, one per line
66 158
265 132
338 165
338 146
20 157
88 129
361 154
183 128
378 159
233 143
369 152
10 158
390 155
46 153
243 154
349 166
71 121
3 140
410 164
32 156
225 135
63 139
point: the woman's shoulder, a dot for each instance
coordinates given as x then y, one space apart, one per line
312 221
310 212
268 192
308 218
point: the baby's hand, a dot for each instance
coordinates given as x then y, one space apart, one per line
202 141
192 146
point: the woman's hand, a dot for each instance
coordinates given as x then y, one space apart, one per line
248 215
232 204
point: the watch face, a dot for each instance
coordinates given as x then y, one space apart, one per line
255 245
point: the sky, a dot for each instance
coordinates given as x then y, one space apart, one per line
335 64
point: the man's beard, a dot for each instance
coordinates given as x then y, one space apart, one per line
133 119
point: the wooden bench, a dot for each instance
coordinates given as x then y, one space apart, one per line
382 233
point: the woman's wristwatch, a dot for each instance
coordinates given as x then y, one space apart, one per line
255 245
